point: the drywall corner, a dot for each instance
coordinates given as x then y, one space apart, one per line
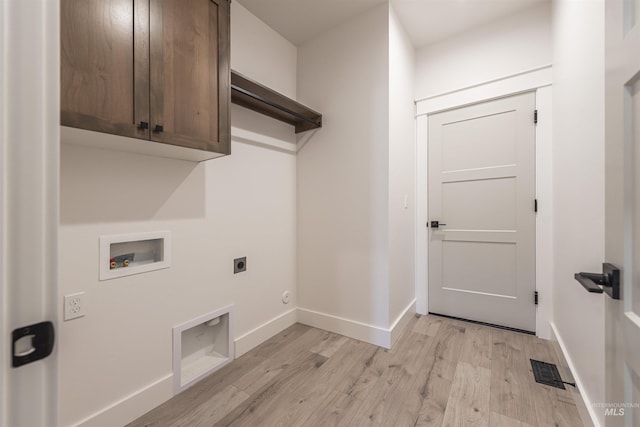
400 324
402 170
350 328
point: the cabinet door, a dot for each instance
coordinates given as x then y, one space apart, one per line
105 65
190 75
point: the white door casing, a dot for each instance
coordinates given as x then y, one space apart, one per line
482 186
29 174
622 211
538 79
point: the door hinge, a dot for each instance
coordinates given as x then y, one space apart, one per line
535 297
535 117
535 205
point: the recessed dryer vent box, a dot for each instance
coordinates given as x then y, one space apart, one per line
127 254
202 346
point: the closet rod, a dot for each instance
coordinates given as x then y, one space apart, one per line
274 105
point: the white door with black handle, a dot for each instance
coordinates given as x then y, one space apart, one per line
481 162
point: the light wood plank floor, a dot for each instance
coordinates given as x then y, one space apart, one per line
441 372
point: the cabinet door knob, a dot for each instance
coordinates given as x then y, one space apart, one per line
144 125
158 128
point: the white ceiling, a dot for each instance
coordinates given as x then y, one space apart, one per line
301 20
426 21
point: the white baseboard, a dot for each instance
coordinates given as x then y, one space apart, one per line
142 401
132 406
585 409
401 322
349 328
258 335
357 330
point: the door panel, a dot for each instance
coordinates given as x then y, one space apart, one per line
482 186
483 204
463 150
97 65
622 210
189 96
489 268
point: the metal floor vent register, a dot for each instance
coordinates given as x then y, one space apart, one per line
547 373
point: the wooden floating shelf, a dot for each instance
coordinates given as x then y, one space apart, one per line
254 96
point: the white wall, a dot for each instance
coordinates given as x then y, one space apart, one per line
401 169
239 205
343 179
356 254
578 135
509 45
262 54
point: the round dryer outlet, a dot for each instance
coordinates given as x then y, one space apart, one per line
285 297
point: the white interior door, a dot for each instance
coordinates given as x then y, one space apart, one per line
482 187
622 210
29 171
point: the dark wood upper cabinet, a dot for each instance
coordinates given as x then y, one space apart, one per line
149 69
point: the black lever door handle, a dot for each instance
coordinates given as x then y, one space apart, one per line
436 224
608 281
588 283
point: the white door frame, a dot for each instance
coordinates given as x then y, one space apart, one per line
29 199
539 80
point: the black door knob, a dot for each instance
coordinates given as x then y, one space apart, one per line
158 128
608 281
144 125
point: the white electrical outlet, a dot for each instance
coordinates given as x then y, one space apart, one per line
285 297
74 306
